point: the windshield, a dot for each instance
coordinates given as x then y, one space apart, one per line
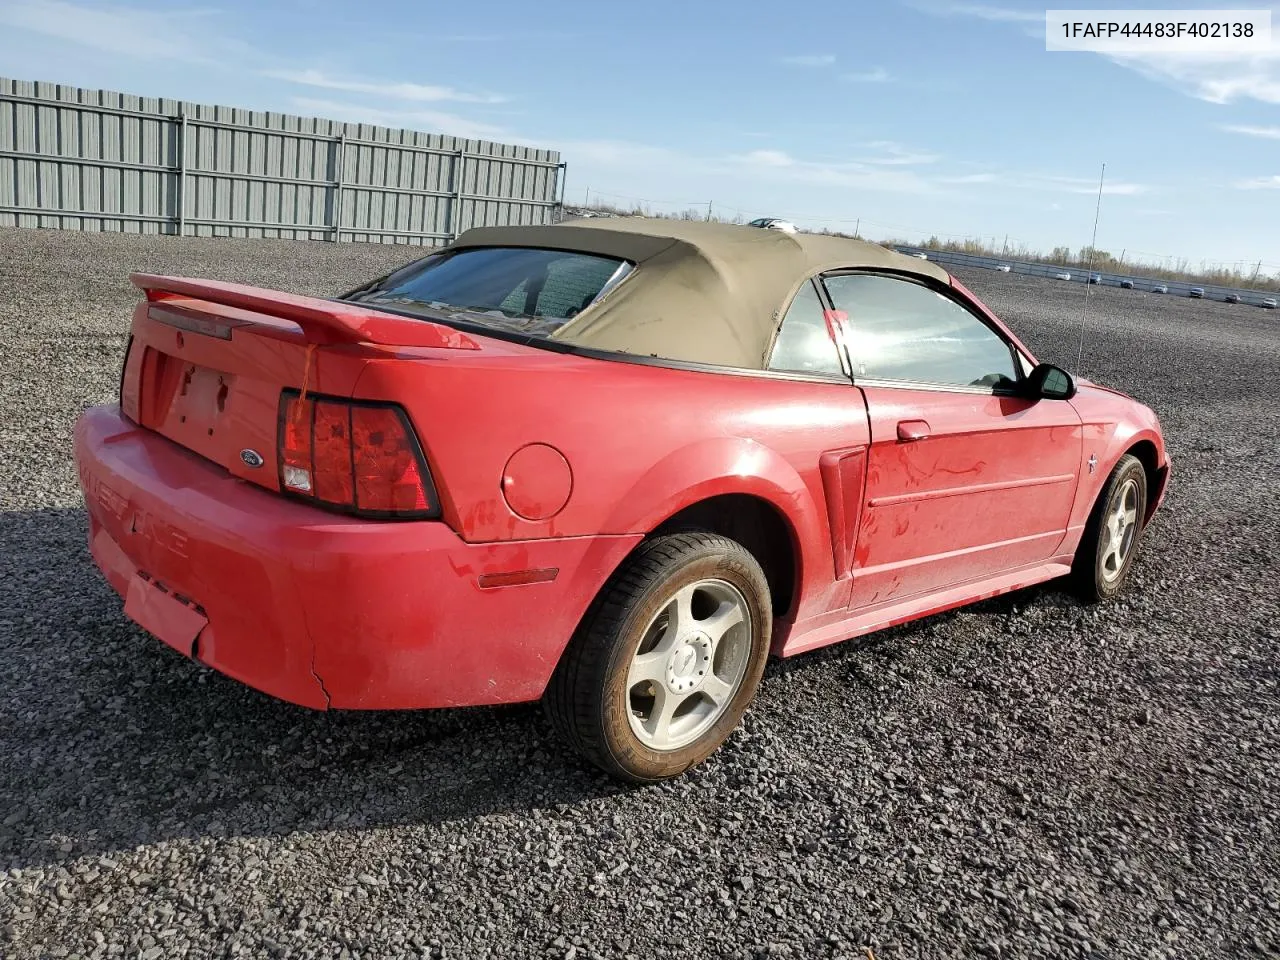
520 289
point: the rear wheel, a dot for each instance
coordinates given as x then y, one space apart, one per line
1111 537
667 659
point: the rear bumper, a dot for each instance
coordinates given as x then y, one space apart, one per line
320 609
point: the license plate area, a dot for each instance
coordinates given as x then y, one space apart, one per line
200 399
186 402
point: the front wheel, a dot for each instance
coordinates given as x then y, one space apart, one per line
667 659
1111 537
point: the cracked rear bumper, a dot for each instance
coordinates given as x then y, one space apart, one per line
321 609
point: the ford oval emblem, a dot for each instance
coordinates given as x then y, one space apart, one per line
252 457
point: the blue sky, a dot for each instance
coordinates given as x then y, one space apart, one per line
915 116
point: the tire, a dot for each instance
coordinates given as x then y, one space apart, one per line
663 632
1102 563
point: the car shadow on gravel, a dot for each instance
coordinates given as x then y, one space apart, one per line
111 740
1048 599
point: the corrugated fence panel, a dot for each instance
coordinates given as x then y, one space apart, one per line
76 159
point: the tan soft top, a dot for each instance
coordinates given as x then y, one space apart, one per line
701 292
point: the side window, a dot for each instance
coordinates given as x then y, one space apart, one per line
804 344
900 330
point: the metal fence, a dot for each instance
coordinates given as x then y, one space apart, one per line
76 159
1177 288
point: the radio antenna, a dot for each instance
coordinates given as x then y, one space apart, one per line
1088 279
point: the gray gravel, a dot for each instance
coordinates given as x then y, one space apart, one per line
1024 778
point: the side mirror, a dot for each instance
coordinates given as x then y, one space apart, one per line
1047 382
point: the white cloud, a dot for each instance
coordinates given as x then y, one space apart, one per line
879 167
1266 133
431 121
878 75
1084 185
133 32
981 11
396 90
468 38
1216 78
883 168
780 182
970 178
620 155
892 154
1116 189
999 14
1260 183
1045 182
769 158
775 164
194 36
811 60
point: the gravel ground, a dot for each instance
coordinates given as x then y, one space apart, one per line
1025 778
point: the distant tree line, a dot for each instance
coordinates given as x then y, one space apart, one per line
1103 261
1082 259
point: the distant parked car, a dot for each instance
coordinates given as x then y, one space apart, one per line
1232 298
1004 268
773 223
1126 284
1196 293
1095 278
1160 288
1063 276
1269 303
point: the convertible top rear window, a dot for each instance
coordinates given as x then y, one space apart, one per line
519 289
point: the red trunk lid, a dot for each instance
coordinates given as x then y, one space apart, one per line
208 361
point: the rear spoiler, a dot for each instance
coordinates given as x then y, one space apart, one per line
321 321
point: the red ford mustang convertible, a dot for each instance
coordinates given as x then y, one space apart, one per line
612 465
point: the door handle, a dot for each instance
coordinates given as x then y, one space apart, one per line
913 430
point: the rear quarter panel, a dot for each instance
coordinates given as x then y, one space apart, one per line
642 441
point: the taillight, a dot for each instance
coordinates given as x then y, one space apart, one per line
332 453
388 474
296 422
358 456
